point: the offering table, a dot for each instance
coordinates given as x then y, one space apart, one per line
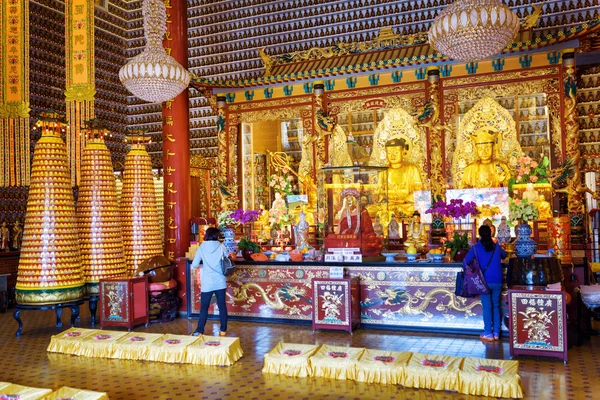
412 295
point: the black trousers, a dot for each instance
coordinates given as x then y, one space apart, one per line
205 298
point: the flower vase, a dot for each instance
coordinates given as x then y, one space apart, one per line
229 242
525 246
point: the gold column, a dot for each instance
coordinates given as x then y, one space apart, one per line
436 137
80 85
222 159
99 220
139 217
14 93
575 181
49 268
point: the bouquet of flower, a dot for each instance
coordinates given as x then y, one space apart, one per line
459 241
237 217
455 209
529 170
487 210
279 216
522 210
281 184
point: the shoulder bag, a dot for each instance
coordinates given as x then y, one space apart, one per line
470 282
227 265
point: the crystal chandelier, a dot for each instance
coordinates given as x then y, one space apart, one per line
472 30
153 75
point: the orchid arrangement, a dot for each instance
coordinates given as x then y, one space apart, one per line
529 170
457 208
237 217
281 184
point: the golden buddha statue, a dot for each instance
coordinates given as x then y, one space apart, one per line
416 235
485 171
403 178
544 208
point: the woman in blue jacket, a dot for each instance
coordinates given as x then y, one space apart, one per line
212 280
488 253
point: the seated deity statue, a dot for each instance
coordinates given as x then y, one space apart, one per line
544 208
416 234
377 227
355 227
485 171
403 178
530 194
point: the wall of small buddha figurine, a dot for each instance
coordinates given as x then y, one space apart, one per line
588 109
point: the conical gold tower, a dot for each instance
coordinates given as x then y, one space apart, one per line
98 215
49 268
139 218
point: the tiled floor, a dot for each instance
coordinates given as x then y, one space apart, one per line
25 361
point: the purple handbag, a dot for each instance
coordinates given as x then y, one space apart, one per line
474 279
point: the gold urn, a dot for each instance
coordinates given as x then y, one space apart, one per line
99 218
139 217
49 267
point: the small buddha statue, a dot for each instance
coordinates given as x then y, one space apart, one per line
393 228
544 208
403 178
530 194
17 235
377 227
416 234
485 171
4 237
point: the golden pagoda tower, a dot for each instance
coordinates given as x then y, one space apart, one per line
139 218
49 268
98 216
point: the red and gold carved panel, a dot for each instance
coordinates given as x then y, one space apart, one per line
538 323
335 302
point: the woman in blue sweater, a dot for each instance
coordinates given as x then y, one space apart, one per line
212 280
488 253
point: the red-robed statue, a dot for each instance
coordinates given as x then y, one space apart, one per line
354 230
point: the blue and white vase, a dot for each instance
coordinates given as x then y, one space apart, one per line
525 246
229 242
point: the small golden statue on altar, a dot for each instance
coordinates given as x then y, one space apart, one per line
416 235
486 171
403 178
17 235
4 237
544 208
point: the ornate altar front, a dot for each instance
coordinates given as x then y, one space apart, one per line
398 296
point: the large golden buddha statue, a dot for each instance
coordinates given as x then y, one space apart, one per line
486 171
403 178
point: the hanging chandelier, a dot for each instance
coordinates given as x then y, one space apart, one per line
153 75
472 30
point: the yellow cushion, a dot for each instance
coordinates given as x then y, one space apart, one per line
75 394
493 378
69 341
380 366
100 344
335 362
170 348
214 350
23 392
134 345
437 372
290 359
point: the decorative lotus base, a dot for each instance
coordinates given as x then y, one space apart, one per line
92 289
50 296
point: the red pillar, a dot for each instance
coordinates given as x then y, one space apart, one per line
176 150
